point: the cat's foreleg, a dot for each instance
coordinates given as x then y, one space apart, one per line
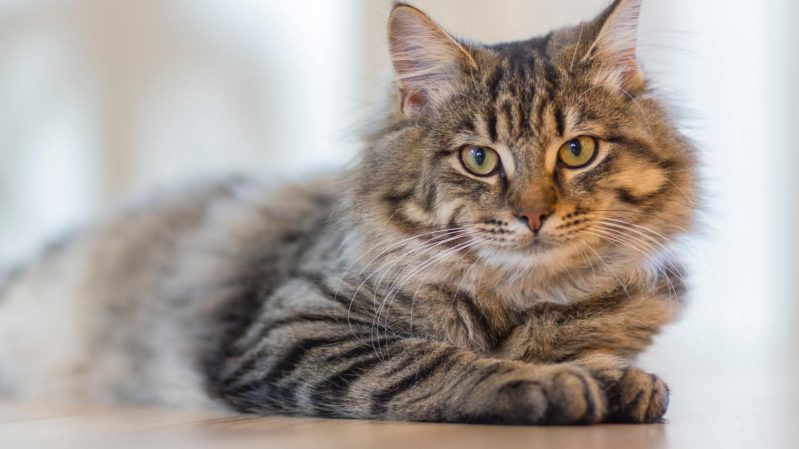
346 371
604 338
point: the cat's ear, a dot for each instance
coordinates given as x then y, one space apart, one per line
615 47
428 62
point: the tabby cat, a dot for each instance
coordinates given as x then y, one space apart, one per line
499 254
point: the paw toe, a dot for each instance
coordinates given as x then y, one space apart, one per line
573 397
639 397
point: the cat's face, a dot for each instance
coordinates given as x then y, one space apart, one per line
548 151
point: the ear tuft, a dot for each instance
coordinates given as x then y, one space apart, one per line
428 62
616 45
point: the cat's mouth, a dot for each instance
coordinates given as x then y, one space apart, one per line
524 244
512 238
537 244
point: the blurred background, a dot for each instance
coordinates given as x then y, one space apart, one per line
103 100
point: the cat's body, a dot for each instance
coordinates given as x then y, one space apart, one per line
129 310
410 287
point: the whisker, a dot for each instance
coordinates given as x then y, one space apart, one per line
618 238
393 291
640 108
658 245
643 213
608 267
388 248
631 241
427 246
641 228
577 47
398 284
413 297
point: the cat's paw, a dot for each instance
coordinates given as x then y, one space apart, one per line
637 397
554 395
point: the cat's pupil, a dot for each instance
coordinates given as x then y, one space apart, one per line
479 156
575 148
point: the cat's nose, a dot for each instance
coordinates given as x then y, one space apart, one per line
534 219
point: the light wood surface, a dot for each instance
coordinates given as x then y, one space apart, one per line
742 408
38 427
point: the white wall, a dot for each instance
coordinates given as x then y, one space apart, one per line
104 99
790 120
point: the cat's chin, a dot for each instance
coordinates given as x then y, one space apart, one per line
533 246
532 254
550 256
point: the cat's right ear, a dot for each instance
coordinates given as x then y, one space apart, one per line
428 62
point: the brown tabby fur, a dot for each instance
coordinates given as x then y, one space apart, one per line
406 288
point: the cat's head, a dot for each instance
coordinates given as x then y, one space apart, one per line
538 153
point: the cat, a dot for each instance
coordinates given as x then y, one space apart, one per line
500 253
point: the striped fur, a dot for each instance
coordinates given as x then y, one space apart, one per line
405 288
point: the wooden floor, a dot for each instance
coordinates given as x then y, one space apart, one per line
755 410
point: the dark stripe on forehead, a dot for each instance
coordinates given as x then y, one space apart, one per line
540 107
507 112
494 81
524 63
491 122
523 69
552 70
560 121
552 76
527 100
467 124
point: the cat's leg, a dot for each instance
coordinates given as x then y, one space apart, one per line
604 338
632 395
309 366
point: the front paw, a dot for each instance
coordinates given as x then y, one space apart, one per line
551 395
637 397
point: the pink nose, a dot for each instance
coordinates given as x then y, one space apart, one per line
534 219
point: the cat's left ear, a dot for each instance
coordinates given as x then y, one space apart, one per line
428 62
615 47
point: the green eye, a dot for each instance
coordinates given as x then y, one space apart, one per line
480 161
579 152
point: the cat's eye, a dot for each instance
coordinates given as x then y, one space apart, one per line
480 161
579 152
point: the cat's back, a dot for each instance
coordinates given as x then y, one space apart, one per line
117 311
